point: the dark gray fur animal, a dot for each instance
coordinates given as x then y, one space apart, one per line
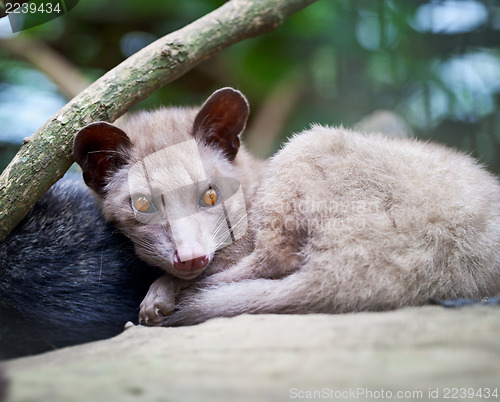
3 386
67 276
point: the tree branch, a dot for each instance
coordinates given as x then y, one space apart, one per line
46 155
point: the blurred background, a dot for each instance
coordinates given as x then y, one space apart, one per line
436 63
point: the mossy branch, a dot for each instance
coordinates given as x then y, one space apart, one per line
46 155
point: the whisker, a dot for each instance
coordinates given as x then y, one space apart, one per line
218 222
234 225
222 236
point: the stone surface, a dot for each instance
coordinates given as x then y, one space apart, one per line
275 358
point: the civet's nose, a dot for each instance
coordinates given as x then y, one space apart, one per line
193 264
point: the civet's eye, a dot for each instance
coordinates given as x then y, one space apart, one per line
209 197
142 203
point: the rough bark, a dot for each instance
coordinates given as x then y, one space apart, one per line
46 155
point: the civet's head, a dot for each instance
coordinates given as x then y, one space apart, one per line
167 179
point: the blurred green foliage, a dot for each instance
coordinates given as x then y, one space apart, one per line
435 62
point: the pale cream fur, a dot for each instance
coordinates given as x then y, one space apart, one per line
348 222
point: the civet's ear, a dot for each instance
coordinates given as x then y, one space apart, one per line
99 150
221 119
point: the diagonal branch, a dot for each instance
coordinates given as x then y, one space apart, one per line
46 155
